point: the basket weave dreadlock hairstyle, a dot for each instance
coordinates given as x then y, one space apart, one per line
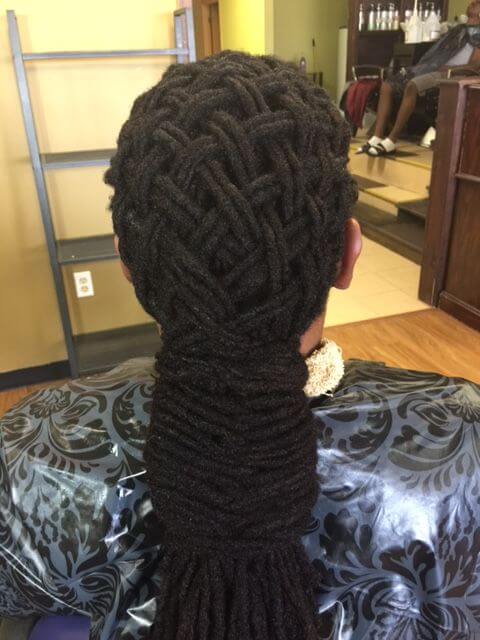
230 198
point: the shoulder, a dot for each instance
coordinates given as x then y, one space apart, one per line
406 417
72 492
374 384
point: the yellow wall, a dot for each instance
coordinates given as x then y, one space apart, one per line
78 105
457 8
286 28
243 25
296 23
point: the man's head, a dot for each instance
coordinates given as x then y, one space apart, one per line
473 12
231 199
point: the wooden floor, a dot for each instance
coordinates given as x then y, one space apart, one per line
427 340
424 340
9 398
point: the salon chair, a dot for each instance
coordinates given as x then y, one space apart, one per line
395 533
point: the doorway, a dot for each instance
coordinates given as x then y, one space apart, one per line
207 19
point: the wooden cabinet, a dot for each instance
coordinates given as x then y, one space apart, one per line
375 47
451 264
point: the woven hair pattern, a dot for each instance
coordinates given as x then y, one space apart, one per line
231 193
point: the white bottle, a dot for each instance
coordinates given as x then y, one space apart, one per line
361 19
408 17
371 18
391 16
384 20
396 20
415 27
378 17
433 28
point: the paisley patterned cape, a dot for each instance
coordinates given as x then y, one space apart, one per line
395 533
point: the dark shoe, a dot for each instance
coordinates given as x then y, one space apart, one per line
379 151
363 149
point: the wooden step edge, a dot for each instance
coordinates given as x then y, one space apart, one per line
407 208
385 235
389 199
395 158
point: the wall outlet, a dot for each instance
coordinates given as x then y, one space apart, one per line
83 284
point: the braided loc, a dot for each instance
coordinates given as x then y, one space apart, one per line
231 194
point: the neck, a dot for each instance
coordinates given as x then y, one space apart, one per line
313 337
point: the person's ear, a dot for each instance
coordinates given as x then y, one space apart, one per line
125 269
351 253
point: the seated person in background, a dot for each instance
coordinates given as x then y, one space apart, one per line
459 47
271 497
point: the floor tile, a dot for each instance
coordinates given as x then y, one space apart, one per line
370 283
393 303
346 309
384 284
406 279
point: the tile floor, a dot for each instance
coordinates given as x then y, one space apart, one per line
385 284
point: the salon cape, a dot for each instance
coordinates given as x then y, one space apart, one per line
395 533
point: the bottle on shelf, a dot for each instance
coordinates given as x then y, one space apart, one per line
361 19
372 18
396 20
391 16
414 31
432 27
384 20
378 17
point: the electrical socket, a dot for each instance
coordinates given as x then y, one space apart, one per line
83 284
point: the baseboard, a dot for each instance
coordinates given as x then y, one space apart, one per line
461 310
34 375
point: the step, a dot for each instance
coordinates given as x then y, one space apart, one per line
408 152
417 208
389 198
365 183
393 195
405 237
414 177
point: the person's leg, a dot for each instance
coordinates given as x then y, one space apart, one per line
384 110
407 107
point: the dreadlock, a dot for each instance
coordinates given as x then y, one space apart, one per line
230 198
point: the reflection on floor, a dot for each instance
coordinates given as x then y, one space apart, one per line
385 284
393 197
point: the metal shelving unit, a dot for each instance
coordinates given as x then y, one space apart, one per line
93 352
